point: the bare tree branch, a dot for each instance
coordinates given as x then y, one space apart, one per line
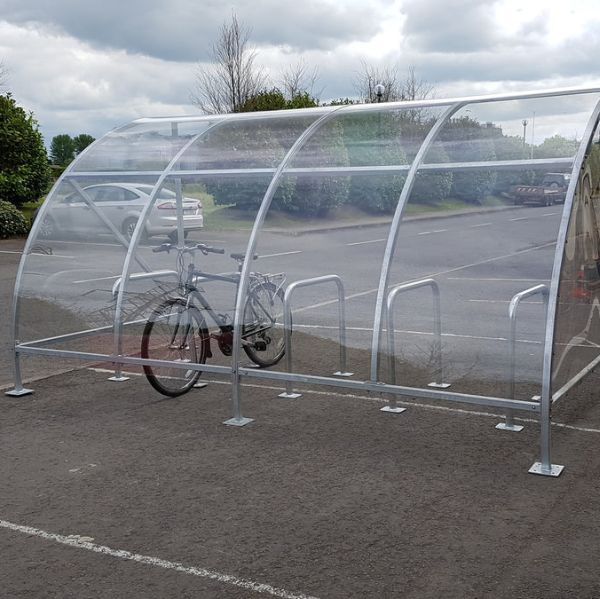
3 75
298 79
232 77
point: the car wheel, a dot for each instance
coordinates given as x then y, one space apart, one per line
128 227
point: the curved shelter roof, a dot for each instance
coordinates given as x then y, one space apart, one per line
460 237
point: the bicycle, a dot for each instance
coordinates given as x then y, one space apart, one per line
177 329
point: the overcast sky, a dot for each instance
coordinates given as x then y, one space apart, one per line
86 67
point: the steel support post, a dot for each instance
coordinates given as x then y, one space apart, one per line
18 389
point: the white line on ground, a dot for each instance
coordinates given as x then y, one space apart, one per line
369 241
489 301
551 214
521 218
97 279
440 230
280 254
78 543
481 225
38 254
497 279
409 404
425 233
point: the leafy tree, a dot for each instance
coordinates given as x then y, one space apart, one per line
62 149
24 171
82 141
556 146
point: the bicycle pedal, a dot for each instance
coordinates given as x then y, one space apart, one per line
260 345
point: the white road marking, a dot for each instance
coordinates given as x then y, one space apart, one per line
425 233
370 241
551 214
78 542
497 279
440 230
280 254
38 254
97 279
489 301
481 225
522 218
410 404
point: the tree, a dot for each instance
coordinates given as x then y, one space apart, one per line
82 141
232 78
274 99
62 149
24 171
298 80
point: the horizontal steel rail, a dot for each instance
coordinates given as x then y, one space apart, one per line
287 325
377 170
138 276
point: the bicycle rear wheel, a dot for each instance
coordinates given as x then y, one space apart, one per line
176 333
263 330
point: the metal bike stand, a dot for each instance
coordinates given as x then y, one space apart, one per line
118 377
509 424
18 390
287 325
437 332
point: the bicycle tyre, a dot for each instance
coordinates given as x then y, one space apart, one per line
162 329
261 297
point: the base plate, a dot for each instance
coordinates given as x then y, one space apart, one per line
238 421
515 428
439 385
289 395
118 379
200 385
342 373
19 392
555 469
395 410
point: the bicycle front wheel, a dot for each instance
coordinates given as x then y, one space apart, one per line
175 333
263 331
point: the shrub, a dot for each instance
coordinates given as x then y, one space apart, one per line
12 221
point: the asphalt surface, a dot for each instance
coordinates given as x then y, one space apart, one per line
109 490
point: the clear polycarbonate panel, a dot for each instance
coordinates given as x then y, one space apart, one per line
211 197
577 330
140 146
481 224
330 217
80 241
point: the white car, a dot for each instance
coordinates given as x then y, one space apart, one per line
121 204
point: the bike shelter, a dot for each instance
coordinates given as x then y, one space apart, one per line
408 264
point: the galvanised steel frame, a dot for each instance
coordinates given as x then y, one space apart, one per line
320 117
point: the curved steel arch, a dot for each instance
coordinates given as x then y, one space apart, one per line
237 419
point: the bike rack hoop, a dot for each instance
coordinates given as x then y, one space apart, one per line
287 324
437 331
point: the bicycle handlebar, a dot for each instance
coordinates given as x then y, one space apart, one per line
205 249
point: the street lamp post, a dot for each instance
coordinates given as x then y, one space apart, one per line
524 131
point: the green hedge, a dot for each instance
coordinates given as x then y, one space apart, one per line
12 221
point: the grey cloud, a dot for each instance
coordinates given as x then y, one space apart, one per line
450 26
183 30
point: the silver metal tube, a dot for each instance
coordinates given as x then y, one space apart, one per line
545 466
237 419
437 330
512 342
287 325
393 233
